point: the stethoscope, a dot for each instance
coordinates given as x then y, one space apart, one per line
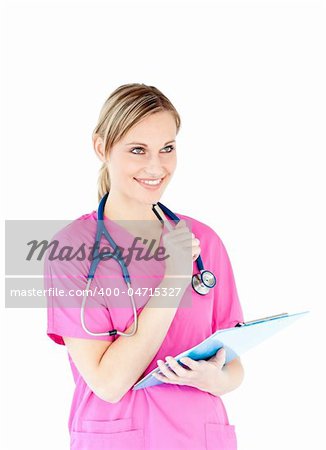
201 282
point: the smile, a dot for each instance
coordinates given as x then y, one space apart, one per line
152 183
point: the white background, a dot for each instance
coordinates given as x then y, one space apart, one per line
248 81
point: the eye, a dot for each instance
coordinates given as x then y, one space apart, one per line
136 148
169 147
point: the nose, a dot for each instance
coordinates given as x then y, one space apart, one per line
154 166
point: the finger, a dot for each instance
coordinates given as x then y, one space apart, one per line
193 242
195 255
219 358
179 235
162 378
191 363
180 227
222 354
195 252
184 237
181 223
195 249
176 367
166 371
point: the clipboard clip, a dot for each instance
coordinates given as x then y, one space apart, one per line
263 319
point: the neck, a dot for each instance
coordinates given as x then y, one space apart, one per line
118 207
137 218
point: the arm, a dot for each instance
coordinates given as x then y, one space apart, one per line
112 368
234 375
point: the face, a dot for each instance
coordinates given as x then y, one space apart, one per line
142 163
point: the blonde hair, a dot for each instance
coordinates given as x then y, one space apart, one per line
123 109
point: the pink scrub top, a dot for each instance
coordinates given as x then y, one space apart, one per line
167 416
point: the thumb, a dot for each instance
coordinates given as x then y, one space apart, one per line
219 357
181 223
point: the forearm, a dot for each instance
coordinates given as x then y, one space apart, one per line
234 375
127 358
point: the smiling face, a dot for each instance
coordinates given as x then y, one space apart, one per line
142 163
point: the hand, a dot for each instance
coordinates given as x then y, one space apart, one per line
208 376
179 244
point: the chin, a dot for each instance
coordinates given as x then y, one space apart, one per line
150 199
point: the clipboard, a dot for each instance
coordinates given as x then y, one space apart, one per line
235 340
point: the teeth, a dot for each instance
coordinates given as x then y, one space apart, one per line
151 182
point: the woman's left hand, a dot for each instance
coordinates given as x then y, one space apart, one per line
205 375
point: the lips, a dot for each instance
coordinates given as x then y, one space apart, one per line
150 183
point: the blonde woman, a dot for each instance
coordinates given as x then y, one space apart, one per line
135 138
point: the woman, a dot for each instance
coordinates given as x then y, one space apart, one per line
135 139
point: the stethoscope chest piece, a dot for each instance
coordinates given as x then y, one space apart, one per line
204 281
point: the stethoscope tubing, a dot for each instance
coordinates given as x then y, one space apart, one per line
198 280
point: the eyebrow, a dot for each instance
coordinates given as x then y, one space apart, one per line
145 145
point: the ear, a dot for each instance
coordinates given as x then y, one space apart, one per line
98 145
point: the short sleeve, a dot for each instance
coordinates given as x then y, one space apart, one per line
64 282
227 311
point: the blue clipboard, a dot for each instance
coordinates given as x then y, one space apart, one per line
235 340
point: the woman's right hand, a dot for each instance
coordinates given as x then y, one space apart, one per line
182 249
